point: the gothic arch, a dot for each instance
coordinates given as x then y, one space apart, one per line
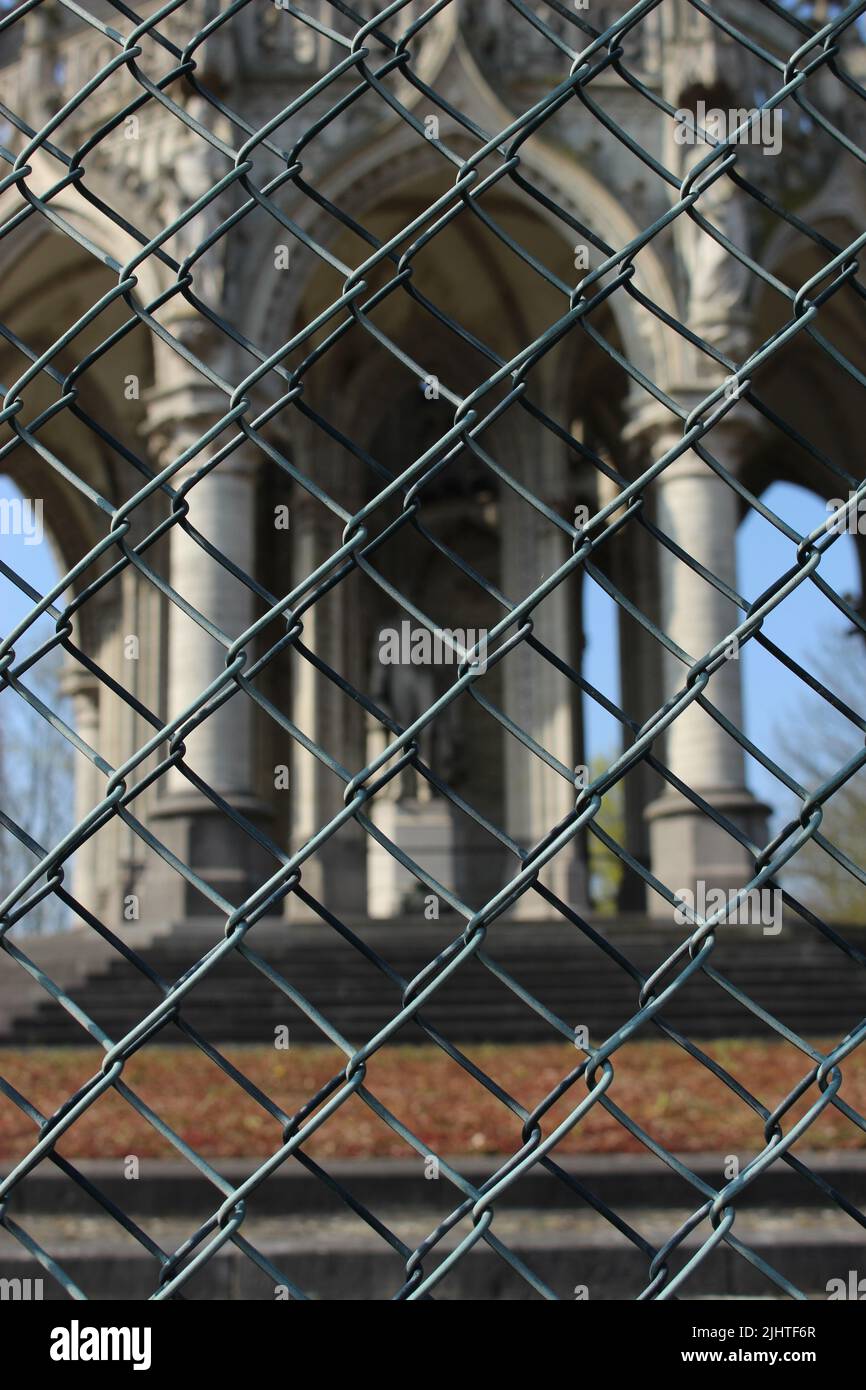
392 164
800 381
48 281
39 268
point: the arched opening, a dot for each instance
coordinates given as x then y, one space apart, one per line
822 641
804 473
36 760
474 542
805 625
66 467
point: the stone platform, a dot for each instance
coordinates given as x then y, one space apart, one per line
313 1238
805 982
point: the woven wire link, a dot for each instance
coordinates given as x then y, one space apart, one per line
370 46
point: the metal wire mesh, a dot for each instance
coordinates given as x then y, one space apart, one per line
144 63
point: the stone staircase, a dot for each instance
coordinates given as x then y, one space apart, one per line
316 1242
805 982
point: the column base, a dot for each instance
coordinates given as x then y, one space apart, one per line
425 832
218 851
688 849
565 875
336 876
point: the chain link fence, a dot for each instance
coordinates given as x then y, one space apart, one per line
375 54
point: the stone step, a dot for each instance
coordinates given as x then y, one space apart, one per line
172 1187
798 977
242 1009
470 987
461 1034
341 1258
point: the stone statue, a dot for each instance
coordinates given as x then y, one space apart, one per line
198 167
717 283
405 690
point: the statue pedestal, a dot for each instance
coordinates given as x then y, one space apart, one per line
425 832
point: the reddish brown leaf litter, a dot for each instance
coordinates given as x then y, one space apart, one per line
667 1093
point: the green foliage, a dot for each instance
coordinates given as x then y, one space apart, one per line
605 869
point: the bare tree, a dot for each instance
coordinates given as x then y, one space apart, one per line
824 742
36 765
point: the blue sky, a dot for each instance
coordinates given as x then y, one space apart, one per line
805 624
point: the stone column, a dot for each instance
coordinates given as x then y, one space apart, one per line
536 695
222 508
83 690
699 511
629 559
336 874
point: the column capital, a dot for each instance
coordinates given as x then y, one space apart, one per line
77 682
539 460
731 439
176 416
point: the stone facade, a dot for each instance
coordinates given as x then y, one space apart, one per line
488 62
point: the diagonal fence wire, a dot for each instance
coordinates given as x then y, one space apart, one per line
144 63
